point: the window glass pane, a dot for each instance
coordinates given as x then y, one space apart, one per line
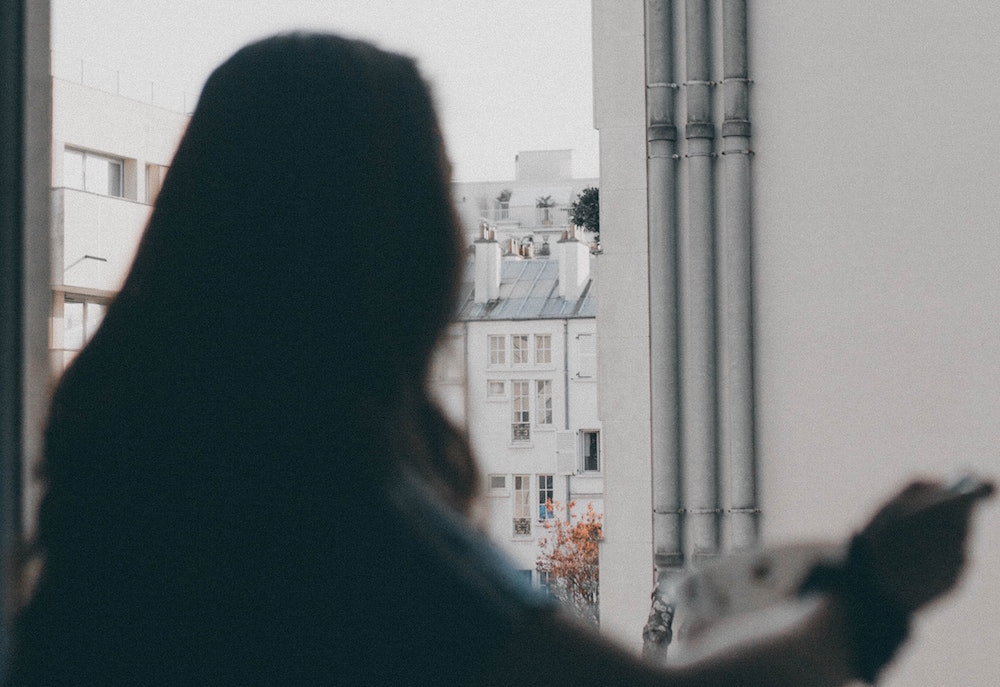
73 332
498 350
94 313
95 174
519 347
73 169
520 412
543 349
114 178
546 497
591 455
543 402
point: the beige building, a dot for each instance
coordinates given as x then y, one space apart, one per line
863 189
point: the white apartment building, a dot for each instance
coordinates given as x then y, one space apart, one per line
528 213
799 287
109 156
518 369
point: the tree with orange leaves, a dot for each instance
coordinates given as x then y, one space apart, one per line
569 557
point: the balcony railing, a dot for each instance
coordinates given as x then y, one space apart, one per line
522 526
520 431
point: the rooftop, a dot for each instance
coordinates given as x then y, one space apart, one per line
529 290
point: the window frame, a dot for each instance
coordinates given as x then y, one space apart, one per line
521 505
520 411
584 434
85 156
543 354
546 497
494 490
544 415
496 356
520 350
491 392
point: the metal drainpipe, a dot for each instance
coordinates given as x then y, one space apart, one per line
698 341
661 172
466 401
737 387
566 371
569 486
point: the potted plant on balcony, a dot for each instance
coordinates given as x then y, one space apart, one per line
544 204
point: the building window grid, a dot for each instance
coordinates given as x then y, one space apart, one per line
519 349
520 411
591 451
522 505
94 173
498 350
546 497
543 349
543 401
81 319
496 389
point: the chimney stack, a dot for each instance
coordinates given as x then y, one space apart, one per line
574 268
487 267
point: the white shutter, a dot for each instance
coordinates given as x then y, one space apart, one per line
586 350
566 452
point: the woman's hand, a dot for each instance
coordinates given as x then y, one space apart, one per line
916 542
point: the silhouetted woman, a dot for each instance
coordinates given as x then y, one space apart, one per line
246 480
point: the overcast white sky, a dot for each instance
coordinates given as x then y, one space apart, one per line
508 75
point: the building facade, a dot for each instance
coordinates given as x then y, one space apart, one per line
528 213
109 156
518 371
821 150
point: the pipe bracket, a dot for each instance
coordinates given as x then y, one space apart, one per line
690 155
662 84
746 151
705 511
736 127
661 132
699 130
700 83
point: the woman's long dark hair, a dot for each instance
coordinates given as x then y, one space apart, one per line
261 373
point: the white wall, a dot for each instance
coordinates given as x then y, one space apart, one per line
623 319
91 224
94 236
877 279
876 290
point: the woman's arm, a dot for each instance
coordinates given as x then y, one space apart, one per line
803 644
846 624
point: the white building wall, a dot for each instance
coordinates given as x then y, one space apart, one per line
623 319
877 285
876 291
461 385
538 174
94 236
